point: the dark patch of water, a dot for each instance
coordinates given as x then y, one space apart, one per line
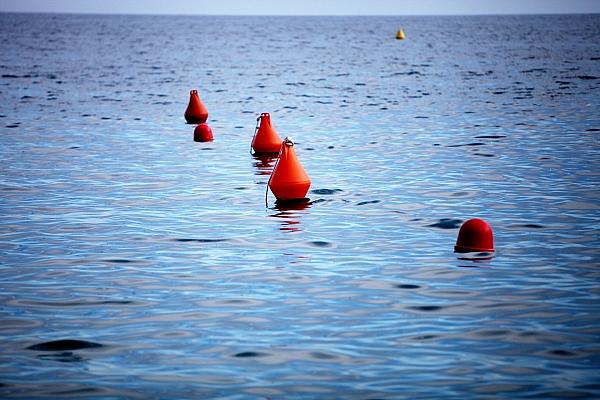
326 191
407 286
362 203
447 223
425 308
250 354
64 344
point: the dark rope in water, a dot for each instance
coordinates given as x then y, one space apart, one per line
271 177
254 136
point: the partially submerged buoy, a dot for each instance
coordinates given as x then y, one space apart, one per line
400 34
475 235
289 181
196 112
266 139
203 133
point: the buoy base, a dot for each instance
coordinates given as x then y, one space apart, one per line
464 249
196 120
295 204
262 153
290 192
292 201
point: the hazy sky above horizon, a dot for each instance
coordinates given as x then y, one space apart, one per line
305 7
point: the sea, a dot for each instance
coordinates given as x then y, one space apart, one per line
136 263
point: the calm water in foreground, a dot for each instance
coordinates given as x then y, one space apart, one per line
154 262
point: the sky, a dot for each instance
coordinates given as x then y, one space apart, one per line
304 7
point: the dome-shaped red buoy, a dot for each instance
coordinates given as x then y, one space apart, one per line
289 181
196 112
203 133
475 235
266 139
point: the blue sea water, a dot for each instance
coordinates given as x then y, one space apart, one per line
137 263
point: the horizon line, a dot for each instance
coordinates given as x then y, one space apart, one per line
296 15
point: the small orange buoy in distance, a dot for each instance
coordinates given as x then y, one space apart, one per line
196 112
203 133
475 235
400 34
266 139
289 181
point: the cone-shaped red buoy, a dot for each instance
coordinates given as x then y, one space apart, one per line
203 133
475 235
196 112
289 181
266 139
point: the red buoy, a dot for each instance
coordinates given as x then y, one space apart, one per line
289 181
196 112
266 139
203 133
475 235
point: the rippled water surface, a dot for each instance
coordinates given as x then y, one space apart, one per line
137 263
